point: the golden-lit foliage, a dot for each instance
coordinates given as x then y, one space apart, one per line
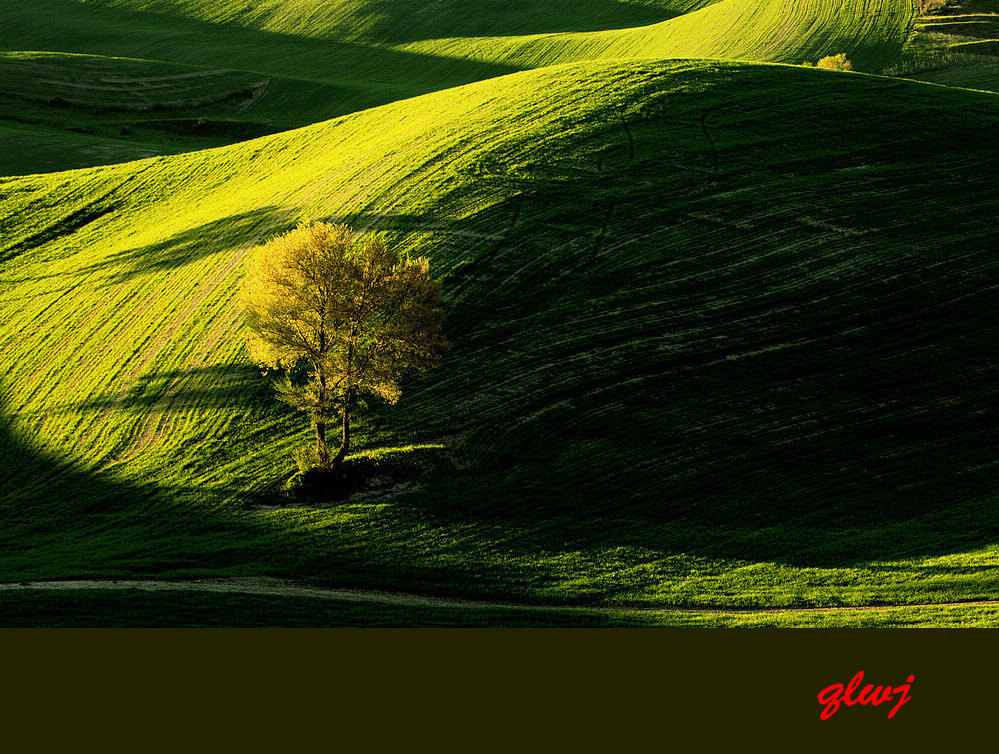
351 309
838 62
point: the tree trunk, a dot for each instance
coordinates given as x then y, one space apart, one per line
348 402
322 452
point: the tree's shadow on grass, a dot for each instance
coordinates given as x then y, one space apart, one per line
67 226
193 244
216 386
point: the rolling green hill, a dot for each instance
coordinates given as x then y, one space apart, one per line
424 46
722 334
164 76
871 32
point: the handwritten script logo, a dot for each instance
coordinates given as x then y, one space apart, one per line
833 696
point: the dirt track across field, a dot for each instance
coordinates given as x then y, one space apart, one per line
272 587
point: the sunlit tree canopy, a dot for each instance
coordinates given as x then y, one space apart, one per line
354 312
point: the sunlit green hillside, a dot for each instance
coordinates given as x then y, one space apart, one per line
870 32
164 76
722 333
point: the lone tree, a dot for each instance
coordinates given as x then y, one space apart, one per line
350 311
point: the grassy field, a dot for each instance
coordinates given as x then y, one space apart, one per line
722 331
698 359
165 76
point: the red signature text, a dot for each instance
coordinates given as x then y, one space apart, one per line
833 696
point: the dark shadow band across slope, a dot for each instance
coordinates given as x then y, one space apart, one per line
64 26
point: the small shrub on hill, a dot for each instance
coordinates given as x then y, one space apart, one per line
839 62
